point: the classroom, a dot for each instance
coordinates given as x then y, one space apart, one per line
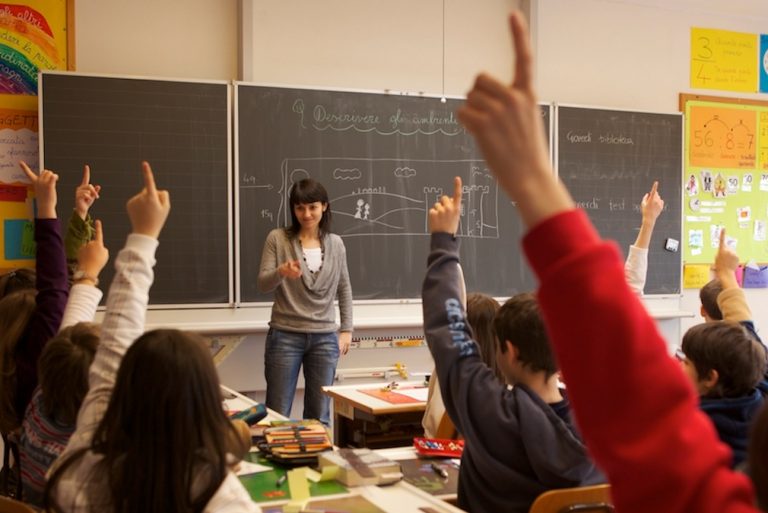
590 56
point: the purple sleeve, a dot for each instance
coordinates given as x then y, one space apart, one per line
52 292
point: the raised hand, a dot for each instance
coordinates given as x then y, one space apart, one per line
93 256
149 209
85 194
45 190
506 122
446 214
726 260
290 269
652 205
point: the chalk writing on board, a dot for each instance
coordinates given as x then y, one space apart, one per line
399 122
391 197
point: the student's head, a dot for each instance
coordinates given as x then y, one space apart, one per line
309 207
722 359
19 279
481 310
522 338
164 425
63 371
15 312
758 456
708 296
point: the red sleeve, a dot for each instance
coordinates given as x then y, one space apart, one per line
636 409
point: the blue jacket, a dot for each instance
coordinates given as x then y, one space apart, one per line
732 417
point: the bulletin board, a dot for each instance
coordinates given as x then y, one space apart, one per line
725 183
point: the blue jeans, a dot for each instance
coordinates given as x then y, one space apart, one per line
284 354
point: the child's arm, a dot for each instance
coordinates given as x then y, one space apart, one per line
80 229
636 266
126 303
635 408
732 301
51 284
85 295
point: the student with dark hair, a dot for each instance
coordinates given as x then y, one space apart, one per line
306 266
519 442
29 317
726 362
63 370
151 434
635 408
708 296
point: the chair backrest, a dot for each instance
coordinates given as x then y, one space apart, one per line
584 499
12 506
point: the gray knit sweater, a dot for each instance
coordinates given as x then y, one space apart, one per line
306 304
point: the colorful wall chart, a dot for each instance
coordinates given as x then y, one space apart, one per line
725 60
33 37
726 180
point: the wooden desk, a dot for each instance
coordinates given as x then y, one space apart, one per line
361 420
418 472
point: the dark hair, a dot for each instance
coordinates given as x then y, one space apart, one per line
15 311
63 370
729 349
164 429
519 321
309 191
481 310
16 280
758 456
708 296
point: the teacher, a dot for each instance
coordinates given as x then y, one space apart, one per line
306 265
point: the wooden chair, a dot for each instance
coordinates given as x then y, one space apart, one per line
12 506
582 499
10 449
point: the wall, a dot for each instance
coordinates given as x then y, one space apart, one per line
624 54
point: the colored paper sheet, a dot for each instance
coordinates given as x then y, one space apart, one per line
390 397
696 276
763 63
13 193
18 141
756 278
19 239
724 60
722 137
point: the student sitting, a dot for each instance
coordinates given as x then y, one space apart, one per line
481 309
725 361
151 434
63 369
519 442
635 408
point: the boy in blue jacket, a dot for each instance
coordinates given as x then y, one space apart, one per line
519 442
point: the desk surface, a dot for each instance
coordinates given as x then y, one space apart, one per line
373 405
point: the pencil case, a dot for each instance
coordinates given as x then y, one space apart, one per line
295 442
252 415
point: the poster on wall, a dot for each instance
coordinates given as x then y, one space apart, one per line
724 60
34 36
763 63
726 180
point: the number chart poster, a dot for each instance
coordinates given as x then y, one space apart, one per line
726 180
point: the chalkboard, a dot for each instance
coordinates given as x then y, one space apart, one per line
385 159
609 159
183 130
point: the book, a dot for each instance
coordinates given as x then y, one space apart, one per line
359 467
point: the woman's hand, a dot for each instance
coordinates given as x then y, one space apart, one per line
290 269
345 339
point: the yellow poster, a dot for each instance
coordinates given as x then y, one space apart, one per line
696 276
724 60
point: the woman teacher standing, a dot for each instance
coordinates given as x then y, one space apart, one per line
306 265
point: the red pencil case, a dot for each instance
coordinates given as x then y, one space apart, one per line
438 447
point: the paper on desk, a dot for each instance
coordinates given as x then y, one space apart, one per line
328 472
248 467
420 393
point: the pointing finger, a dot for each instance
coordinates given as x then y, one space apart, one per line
457 192
523 59
86 175
722 238
99 236
654 188
149 178
30 174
